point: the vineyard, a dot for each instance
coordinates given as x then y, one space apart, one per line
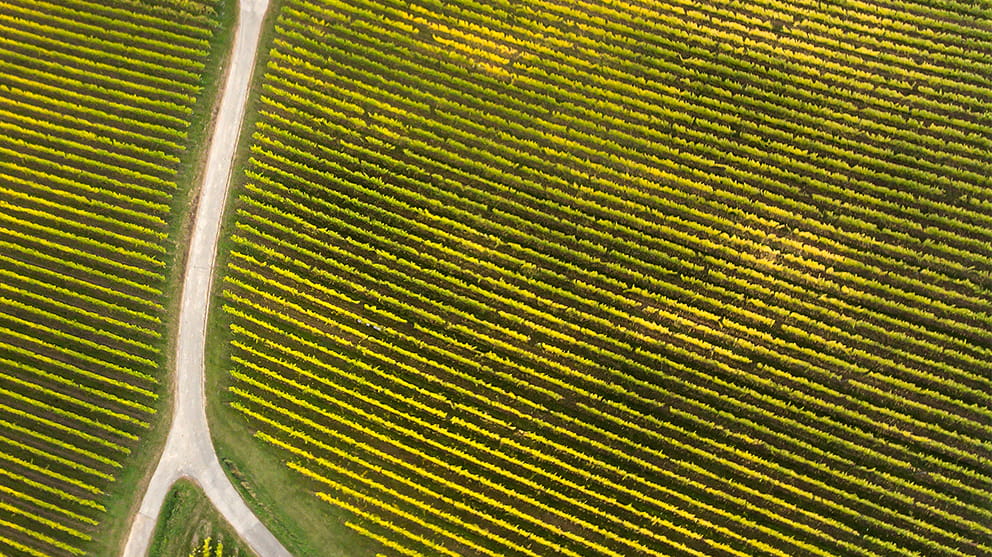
96 104
209 548
611 279
624 277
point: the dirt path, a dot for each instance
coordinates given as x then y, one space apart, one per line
188 450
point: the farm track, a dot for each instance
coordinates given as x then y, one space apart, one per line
188 451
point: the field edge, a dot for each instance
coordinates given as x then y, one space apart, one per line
124 497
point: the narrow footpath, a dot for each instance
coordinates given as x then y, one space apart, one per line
188 450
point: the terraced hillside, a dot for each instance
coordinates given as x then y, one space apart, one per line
625 277
96 105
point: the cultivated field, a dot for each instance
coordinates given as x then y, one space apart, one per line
96 103
625 278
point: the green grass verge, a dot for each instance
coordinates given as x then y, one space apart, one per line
280 498
124 495
187 519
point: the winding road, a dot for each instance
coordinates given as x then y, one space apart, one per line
188 449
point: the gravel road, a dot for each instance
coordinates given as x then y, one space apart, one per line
188 449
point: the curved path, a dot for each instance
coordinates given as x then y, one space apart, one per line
188 449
